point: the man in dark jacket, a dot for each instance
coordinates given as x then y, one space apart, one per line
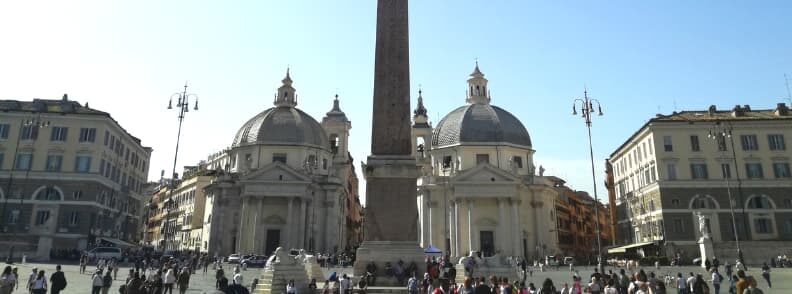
57 280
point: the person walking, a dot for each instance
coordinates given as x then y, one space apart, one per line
168 280
716 280
83 263
766 275
184 280
7 281
96 282
238 278
57 281
31 278
107 281
39 285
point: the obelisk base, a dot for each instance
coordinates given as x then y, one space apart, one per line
381 252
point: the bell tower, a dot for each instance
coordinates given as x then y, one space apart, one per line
337 126
477 92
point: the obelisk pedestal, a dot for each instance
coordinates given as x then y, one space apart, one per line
391 217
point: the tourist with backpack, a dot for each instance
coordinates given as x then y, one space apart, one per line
716 280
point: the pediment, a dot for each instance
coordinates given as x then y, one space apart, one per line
276 171
485 173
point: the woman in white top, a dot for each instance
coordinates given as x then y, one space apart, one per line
39 285
168 280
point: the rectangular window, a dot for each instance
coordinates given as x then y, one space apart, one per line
279 157
107 137
698 171
59 134
788 226
725 170
721 141
82 163
87 135
754 170
678 226
446 161
776 142
482 158
1 160
76 195
30 132
781 169
667 144
517 161
762 226
74 219
24 161
13 218
42 216
694 143
4 129
102 167
749 142
671 171
54 162
651 147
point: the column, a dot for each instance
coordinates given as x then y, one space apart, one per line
500 233
515 226
470 224
289 225
429 205
309 226
257 236
452 228
456 228
242 227
424 220
302 214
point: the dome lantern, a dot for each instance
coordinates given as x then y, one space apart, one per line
287 96
477 88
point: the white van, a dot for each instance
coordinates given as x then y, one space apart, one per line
105 253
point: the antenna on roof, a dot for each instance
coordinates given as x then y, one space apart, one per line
789 94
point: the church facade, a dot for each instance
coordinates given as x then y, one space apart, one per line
479 190
289 183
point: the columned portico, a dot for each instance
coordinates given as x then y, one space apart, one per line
471 234
501 234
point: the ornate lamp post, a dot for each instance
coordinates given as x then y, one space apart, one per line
183 106
719 132
30 127
586 109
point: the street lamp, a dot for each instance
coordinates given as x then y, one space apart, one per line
719 132
183 106
30 127
586 109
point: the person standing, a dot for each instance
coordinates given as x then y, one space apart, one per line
238 279
7 281
184 280
83 263
57 280
31 278
766 275
681 284
716 280
107 281
344 284
39 285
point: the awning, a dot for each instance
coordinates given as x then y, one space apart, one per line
623 249
119 243
432 250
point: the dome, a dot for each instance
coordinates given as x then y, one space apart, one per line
480 123
282 125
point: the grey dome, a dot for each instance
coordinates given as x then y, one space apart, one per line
480 123
282 125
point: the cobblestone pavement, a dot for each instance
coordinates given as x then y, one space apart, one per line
204 283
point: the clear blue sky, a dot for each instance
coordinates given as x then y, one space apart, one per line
638 58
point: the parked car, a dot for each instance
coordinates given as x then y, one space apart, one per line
104 253
568 260
233 258
254 261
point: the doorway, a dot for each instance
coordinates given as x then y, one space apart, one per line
273 241
487 242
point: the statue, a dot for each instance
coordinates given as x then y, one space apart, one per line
280 256
702 225
541 171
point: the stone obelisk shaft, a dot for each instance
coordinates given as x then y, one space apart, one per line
391 213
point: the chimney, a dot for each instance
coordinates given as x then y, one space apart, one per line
747 107
65 97
711 110
781 109
737 111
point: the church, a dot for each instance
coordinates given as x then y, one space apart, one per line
289 183
478 190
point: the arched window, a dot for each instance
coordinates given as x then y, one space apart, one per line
49 193
703 202
759 202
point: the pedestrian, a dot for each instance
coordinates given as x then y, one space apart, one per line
83 263
565 289
96 282
547 287
326 288
115 270
766 275
222 282
699 285
31 278
184 280
7 281
238 279
167 281
107 281
291 289
344 284
57 280
39 285
716 280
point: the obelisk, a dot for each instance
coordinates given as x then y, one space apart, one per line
391 215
